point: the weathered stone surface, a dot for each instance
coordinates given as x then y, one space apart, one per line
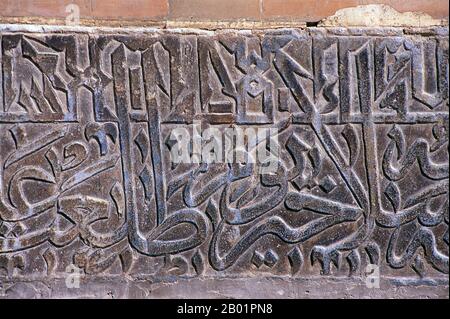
378 15
86 179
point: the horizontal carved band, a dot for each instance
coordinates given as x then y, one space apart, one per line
86 177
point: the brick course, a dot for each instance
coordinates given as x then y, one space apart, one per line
219 10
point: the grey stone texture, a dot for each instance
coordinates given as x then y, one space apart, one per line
87 186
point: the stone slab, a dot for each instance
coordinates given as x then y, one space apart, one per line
88 189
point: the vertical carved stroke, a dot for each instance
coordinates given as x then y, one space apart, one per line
122 101
150 68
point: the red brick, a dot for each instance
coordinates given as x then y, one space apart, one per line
312 10
304 10
134 9
301 10
40 8
214 9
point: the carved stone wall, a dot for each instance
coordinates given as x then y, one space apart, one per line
86 180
